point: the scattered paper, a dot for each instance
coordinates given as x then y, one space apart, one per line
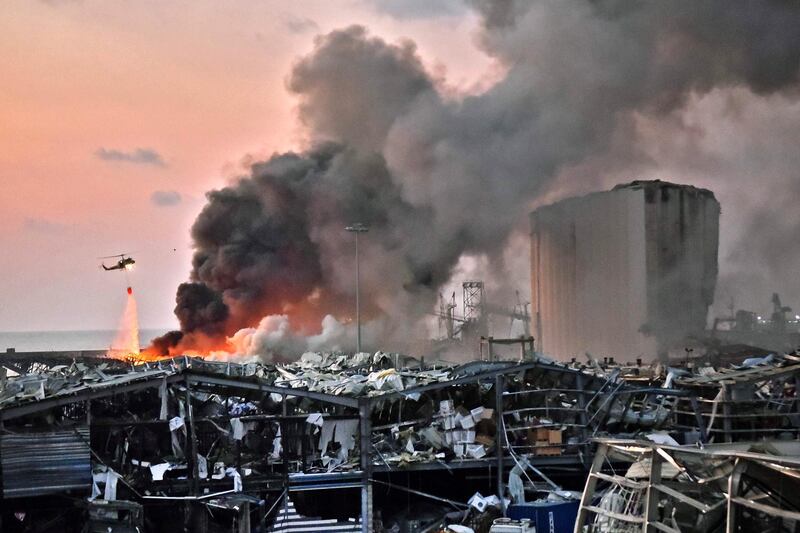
202 467
238 428
157 471
316 419
176 423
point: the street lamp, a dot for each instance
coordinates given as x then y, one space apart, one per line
357 228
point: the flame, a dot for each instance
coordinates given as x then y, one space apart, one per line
192 344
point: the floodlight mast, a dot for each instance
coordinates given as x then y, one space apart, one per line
357 228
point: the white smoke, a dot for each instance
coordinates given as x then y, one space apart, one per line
275 339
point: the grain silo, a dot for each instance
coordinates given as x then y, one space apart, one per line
626 273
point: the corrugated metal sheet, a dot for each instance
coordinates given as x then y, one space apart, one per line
45 463
288 521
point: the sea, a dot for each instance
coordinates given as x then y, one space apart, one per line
42 341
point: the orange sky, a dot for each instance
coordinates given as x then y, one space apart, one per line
201 83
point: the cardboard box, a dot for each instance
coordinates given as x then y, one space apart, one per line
466 421
476 413
476 451
446 407
486 440
547 450
538 435
554 436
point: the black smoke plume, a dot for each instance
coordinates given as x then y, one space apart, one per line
438 177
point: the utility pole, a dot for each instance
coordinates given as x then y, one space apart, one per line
357 228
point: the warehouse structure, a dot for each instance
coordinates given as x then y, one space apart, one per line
367 442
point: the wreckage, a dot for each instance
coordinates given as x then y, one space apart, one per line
374 441
659 486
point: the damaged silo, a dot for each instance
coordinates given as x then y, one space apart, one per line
629 272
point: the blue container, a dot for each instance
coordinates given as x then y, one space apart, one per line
549 517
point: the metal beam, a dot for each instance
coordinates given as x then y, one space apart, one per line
585 508
734 480
512 368
701 425
652 390
651 500
500 437
203 379
721 452
9 413
15 368
191 437
365 449
767 509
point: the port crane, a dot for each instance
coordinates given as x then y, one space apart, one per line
476 310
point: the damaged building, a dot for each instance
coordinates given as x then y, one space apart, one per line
628 272
513 441
188 444
658 486
370 442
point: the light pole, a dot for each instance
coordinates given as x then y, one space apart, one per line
357 228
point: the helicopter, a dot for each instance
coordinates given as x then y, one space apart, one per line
124 263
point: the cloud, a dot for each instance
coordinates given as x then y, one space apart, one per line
56 3
141 156
420 9
165 198
42 225
297 24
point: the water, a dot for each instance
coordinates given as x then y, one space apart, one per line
37 341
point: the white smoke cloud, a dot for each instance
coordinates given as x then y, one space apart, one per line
276 339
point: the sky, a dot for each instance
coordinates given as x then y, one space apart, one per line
117 117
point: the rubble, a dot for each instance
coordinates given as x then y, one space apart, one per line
685 488
206 434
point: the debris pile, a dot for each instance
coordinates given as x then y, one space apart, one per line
638 485
229 442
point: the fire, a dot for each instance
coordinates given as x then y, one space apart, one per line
191 344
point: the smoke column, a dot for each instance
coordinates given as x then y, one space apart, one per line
593 92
